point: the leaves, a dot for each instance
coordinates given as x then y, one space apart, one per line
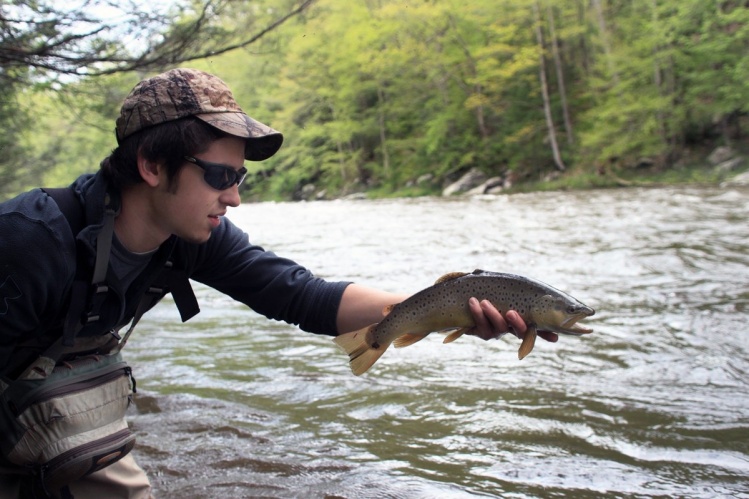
376 94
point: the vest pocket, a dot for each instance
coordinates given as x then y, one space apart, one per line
71 423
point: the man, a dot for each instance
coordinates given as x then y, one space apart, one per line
182 141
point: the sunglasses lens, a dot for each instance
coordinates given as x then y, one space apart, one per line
220 178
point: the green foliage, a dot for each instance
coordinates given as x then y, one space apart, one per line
13 120
77 131
674 68
372 95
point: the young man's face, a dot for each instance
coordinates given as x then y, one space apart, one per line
193 209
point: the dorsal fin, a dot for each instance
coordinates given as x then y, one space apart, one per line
388 309
450 277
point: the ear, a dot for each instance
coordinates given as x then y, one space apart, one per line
151 172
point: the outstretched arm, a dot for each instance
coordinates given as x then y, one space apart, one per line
361 306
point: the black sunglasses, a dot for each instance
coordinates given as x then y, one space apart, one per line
219 176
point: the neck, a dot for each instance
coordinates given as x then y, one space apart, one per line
136 226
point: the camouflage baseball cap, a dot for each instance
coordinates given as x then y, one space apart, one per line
180 93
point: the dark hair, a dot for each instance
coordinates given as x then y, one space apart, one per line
167 143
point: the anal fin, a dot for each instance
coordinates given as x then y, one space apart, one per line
408 339
456 334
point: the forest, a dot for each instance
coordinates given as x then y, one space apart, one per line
401 97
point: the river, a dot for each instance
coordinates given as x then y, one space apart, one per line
654 403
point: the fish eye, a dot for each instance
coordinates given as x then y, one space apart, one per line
571 309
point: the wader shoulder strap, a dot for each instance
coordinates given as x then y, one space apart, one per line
175 280
93 291
86 287
80 292
70 206
169 280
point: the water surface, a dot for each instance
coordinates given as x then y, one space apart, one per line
655 403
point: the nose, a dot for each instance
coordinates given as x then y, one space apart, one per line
231 197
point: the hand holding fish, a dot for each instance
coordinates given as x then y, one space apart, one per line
491 324
532 308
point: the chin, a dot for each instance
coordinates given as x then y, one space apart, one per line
196 239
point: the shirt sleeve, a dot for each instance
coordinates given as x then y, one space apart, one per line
273 286
36 267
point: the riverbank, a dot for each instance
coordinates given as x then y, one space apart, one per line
682 175
714 166
711 167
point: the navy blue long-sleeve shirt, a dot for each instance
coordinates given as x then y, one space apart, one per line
38 265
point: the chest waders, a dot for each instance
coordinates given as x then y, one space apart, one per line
63 417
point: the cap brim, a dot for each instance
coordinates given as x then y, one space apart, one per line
262 141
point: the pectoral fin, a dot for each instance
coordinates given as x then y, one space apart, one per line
529 340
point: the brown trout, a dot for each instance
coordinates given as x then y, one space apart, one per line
444 307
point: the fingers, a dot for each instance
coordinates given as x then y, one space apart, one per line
520 327
483 328
517 323
490 323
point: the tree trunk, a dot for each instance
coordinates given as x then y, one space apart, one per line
658 78
483 130
605 39
383 135
476 89
560 75
545 92
341 162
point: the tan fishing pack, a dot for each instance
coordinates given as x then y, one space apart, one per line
62 422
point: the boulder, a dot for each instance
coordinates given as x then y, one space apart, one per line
356 196
720 155
730 165
490 186
425 179
470 180
643 163
741 179
307 192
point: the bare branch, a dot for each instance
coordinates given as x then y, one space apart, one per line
57 40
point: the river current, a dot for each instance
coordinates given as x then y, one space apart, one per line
654 403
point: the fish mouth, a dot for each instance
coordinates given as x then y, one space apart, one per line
570 327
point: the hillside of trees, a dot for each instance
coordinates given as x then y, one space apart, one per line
403 96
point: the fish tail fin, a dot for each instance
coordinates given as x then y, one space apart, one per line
454 335
358 346
408 339
529 340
